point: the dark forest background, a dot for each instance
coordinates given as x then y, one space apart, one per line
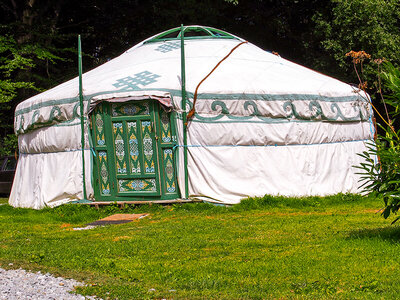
38 39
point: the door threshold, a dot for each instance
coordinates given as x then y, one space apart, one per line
122 203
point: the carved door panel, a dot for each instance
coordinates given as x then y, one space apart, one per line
134 149
134 142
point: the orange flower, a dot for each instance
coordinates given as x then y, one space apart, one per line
358 56
379 60
363 85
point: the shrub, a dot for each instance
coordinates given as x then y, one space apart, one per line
381 169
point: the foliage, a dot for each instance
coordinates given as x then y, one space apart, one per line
11 60
381 169
368 25
28 51
8 145
15 60
270 247
392 80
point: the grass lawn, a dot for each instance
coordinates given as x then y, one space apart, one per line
332 247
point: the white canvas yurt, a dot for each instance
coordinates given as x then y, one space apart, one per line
260 125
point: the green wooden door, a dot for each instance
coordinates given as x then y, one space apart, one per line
134 142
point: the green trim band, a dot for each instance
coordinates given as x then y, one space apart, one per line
289 106
210 96
271 121
224 116
49 103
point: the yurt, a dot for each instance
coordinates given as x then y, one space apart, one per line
191 113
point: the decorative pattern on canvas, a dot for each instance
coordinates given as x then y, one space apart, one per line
316 112
290 112
130 109
38 120
149 165
99 126
118 131
104 183
168 47
165 127
137 185
169 171
132 83
134 161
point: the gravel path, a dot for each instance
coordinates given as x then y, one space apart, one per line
20 284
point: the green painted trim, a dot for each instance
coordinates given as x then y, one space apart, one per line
135 198
174 123
82 117
157 140
183 77
91 156
95 150
108 135
161 146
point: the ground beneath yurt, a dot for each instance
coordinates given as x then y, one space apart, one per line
272 247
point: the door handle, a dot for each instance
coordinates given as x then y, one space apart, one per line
153 130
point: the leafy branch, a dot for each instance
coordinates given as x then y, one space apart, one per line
380 171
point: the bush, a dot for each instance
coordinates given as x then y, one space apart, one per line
381 170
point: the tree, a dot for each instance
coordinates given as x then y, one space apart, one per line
11 60
28 51
368 25
381 168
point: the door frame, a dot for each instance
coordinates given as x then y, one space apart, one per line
160 147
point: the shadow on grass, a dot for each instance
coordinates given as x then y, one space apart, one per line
389 233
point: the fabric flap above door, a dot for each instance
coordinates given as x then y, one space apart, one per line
163 97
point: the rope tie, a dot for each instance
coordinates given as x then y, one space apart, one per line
193 110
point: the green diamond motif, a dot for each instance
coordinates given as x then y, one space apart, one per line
132 83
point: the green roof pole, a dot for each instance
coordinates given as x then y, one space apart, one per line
183 76
82 117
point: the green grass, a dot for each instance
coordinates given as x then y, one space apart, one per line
3 200
271 247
